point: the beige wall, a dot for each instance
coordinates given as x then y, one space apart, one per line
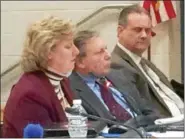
166 47
175 47
16 16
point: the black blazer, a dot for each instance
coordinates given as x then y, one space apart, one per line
146 113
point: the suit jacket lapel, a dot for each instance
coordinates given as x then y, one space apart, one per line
123 55
131 65
65 84
127 58
162 77
55 101
88 96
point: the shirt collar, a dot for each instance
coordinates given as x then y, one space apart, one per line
59 74
90 78
52 74
133 56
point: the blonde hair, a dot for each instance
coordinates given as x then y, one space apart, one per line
41 37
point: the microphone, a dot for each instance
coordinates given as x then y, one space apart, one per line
75 111
33 131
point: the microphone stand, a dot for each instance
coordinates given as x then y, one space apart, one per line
126 127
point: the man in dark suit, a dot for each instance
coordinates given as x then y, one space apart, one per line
104 94
134 35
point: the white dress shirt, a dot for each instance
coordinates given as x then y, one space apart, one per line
170 98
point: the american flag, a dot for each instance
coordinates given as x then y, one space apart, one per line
160 10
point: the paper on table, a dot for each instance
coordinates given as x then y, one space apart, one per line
169 120
168 134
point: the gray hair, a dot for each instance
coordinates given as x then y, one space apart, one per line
81 39
123 17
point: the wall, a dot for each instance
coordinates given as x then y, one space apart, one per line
175 47
17 15
166 47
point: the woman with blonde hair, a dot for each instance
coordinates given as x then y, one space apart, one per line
41 94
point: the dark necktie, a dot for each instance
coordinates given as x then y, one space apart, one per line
115 108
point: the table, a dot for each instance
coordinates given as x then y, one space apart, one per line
175 134
172 134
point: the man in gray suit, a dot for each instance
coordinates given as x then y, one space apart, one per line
134 34
103 92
